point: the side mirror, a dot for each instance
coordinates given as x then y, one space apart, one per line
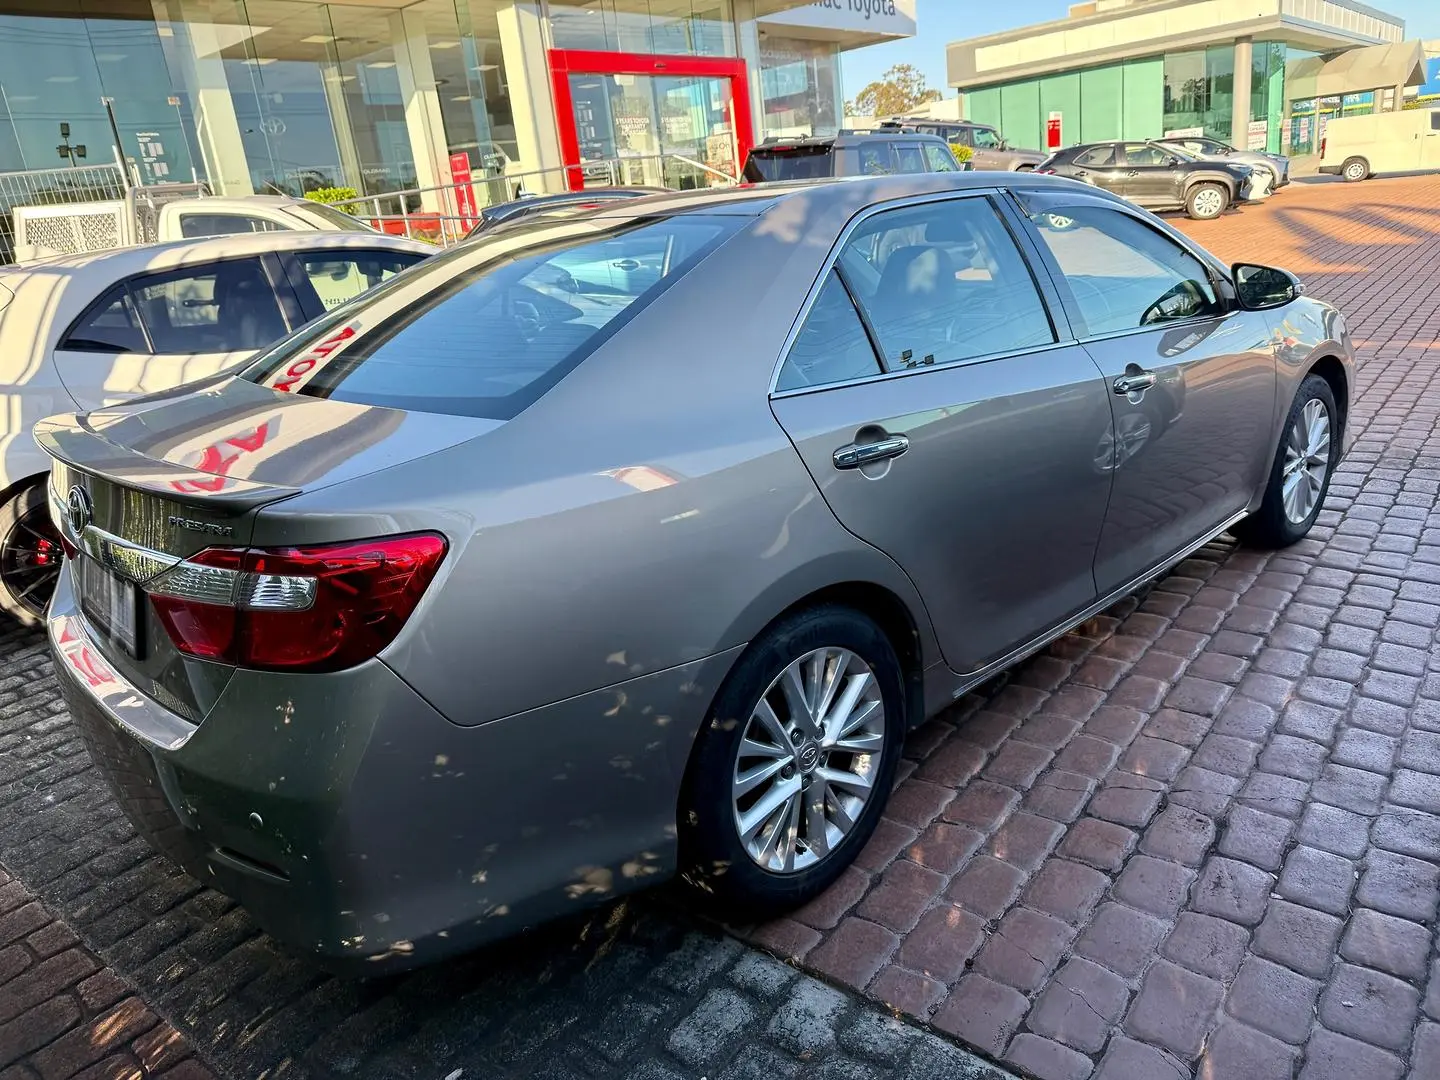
1172 161
1260 288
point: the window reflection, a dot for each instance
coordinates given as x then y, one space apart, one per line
800 86
686 27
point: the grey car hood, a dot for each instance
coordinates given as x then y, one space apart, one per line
237 442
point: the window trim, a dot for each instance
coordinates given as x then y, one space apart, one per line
1050 300
1221 285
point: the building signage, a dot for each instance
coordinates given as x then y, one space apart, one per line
1257 135
1185 133
1053 139
895 17
464 189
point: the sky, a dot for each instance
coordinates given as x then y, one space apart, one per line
942 21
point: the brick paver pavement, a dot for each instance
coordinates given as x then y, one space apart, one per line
1201 834
64 1013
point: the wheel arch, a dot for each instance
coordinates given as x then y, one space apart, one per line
1332 371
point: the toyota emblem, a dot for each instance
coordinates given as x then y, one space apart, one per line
77 509
809 757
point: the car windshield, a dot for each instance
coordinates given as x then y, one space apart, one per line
789 163
485 329
988 139
330 217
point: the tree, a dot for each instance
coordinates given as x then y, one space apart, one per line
899 90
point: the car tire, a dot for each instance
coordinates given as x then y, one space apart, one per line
1205 202
1355 169
1279 522
745 877
30 554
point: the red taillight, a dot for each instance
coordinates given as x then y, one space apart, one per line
1322 149
1045 171
296 609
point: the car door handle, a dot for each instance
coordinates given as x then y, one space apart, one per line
1135 382
858 454
1133 172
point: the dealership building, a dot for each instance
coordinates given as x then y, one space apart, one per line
384 95
1260 74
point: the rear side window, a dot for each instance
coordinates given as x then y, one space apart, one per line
790 163
1435 120
341 275
876 159
832 346
498 322
219 308
224 225
110 326
908 158
1097 157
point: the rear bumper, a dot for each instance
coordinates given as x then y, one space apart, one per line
362 828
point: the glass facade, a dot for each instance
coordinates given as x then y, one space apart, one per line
684 27
799 86
1267 97
1200 93
1118 101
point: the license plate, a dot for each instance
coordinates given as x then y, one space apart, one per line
111 603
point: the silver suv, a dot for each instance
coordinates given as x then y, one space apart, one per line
988 146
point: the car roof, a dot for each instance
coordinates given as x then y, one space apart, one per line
753 200
175 253
241 202
847 138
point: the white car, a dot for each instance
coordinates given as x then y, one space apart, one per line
1276 165
86 331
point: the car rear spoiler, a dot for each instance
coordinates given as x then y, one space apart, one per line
70 439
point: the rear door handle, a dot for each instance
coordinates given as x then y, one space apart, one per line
858 454
1135 383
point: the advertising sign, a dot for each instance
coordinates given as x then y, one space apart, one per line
1053 140
464 189
1257 135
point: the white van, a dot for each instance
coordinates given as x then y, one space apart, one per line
1359 146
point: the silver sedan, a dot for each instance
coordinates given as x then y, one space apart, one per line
631 544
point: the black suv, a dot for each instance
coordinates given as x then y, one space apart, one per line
1154 176
851 153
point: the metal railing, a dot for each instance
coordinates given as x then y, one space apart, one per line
47 187
438 214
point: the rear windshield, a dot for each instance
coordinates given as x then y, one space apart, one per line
488 327
334 219
790 163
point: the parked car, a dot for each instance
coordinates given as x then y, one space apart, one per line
87 331
851 153
72 228
989 150
1276 166
472 605
1357 147
1154 176
529 207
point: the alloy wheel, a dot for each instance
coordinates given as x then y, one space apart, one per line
1307 461
30 559
808 760
1209 203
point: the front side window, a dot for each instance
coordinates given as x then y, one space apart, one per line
1146 154
488 327
987 139
944 281
338 276
1435 120
832 346
193 225
1123 274
939 158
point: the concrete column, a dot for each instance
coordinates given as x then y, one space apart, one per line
1240 113
532 103
216 128
747 37
351 173
423 121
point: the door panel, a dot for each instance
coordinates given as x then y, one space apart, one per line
1193 422
1104 167
995 508
980 461
1150 179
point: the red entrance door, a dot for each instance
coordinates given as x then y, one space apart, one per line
633 117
